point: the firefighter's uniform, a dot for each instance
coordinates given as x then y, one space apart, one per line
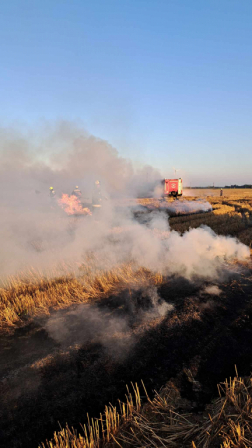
77 192
52 192
97 197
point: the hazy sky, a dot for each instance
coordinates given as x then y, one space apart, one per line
167 82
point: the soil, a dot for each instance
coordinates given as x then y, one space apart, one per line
49 380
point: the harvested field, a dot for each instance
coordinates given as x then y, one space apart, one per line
227 192
231 214
36 295
70 346
168 420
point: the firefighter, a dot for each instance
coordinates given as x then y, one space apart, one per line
96 195
77 192
52 192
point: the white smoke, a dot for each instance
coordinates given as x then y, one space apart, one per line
88 323
36 233
212 290
197 253
181 206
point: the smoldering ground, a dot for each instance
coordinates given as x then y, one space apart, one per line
115 332
71 383
115 325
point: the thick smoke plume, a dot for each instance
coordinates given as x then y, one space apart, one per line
36 232
65 155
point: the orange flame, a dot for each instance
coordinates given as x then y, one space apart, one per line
72 205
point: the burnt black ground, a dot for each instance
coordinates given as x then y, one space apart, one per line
44 384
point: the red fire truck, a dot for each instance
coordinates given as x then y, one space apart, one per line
172 187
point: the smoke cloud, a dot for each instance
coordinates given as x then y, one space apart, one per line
36 232
212 290
181 207
187 207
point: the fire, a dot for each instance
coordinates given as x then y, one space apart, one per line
72 205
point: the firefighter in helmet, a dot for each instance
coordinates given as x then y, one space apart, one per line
52 192
97 195
77 192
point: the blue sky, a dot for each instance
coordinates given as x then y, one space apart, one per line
167 82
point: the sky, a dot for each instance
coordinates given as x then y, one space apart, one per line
166 82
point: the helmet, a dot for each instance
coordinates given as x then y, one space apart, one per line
97 182
51 188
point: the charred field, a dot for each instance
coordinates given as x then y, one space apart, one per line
74 353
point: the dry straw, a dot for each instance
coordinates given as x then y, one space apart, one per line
227 423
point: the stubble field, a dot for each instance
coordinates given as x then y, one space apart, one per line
71 345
